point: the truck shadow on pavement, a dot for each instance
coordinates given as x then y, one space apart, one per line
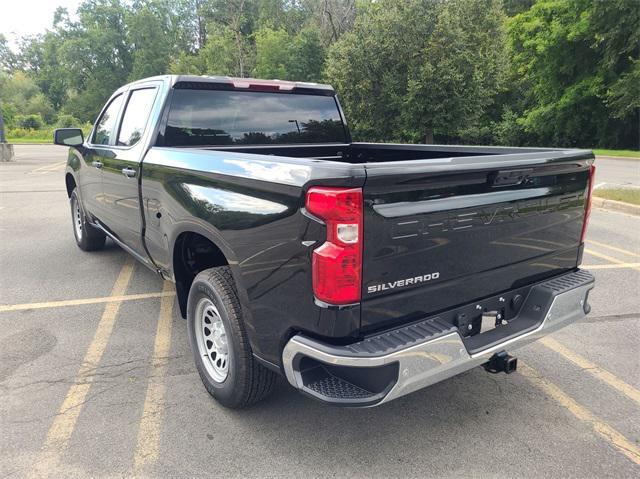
452 417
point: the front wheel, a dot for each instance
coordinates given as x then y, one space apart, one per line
88 238
219 342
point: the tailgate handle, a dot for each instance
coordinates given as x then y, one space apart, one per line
509 177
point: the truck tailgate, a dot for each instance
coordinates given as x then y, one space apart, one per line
446 232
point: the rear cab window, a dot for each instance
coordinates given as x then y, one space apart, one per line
199 117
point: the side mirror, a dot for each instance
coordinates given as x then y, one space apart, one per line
68 137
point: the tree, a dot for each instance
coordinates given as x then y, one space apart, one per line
306 56
334 18
20 94
96 55
461 71
7 57
409 70
272 53
579 59
40 105
237 17
551 72
368 66
149 38
219 54
623 98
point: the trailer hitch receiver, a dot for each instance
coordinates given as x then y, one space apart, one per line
501 363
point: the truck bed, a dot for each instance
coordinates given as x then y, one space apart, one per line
360 153
445 226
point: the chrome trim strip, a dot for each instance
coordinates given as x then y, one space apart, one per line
430 362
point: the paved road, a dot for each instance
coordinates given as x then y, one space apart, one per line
615 172
95 389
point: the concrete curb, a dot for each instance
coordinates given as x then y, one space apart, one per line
620 206
6 152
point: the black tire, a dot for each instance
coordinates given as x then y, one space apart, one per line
88 238
247 381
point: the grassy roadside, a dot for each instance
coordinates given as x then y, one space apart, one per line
21 141
626 195
621 153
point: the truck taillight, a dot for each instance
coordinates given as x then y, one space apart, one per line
587 204
337 263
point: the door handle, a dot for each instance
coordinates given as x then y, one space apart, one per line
129 172
97 164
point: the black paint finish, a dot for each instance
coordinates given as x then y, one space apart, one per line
455 211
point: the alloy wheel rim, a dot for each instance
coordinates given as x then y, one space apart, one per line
212 340
77 218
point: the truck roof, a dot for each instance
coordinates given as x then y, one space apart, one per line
243 83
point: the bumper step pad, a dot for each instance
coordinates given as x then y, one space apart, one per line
334 387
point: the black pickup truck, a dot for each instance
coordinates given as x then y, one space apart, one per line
359 271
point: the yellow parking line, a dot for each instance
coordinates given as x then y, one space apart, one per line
613 248
43 167
611 259
56 166
79 302
149 429
67 416
608 433
611 266
582 362
49 168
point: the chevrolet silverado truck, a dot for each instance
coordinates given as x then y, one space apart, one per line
361 272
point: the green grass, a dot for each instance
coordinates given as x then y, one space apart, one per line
18 141
625 153
626 195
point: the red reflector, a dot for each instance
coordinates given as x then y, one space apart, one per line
587 203
337 263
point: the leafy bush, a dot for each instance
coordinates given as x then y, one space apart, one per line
509 131
30 134
45 133
8 113
67 121
29 122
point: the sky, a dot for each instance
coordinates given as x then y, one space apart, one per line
27 17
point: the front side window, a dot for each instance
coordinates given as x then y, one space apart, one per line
136 116
219 117
107 122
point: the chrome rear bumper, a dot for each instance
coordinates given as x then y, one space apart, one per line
394 364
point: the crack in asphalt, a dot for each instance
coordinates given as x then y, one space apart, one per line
101 374
89 398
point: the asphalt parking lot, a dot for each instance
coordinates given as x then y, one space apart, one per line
97 379
618 173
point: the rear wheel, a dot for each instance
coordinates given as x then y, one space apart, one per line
219 342
88 238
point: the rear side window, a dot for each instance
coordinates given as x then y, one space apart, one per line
106 123
219 117
136 115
